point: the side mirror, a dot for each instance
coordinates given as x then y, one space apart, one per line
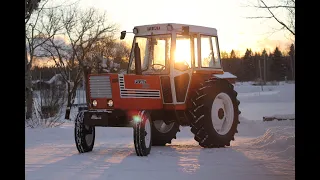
123 35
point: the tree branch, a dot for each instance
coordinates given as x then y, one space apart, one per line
275 7
280 22
260 17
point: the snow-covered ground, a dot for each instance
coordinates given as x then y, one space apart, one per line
261 150
273 100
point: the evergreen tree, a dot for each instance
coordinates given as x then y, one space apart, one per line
232 54
264 64
249 69
257 64
224 55
292 61
278 67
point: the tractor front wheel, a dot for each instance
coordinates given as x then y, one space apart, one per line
84 134
142 135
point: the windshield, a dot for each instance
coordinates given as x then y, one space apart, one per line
154 53
183 53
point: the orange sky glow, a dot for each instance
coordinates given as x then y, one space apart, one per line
235 31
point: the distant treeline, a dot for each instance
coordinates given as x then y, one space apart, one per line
273 66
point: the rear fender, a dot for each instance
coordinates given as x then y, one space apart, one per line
227 76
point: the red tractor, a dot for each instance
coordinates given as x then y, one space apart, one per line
174 79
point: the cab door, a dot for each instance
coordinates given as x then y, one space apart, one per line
181 67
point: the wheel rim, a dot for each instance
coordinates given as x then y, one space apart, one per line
222 113
162 127
89 136
147 137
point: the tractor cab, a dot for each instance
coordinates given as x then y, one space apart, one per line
174 49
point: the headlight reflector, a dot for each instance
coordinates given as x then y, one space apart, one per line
110 103
94 103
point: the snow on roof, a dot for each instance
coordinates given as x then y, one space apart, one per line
225 75
54 78
164 28
35 81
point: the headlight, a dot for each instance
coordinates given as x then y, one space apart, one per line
94 102
110 103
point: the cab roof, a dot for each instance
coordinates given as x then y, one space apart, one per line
167 28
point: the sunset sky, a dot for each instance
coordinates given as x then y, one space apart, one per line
235 31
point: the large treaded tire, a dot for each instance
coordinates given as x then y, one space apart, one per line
161 139
84 135
201 118
141 128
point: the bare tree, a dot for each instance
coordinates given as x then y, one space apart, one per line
48 105
34 39
283 5
30 6
33 5
62 55
104 47
122 51
81 30
109 56
102 51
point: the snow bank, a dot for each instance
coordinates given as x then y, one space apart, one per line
278 141
259 93
273 138
279 117
247 87
256 128
271 143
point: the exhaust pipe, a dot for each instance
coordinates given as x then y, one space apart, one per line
137 59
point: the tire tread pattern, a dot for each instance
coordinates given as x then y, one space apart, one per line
80 133
199 113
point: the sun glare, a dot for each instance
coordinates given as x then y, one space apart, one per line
183 53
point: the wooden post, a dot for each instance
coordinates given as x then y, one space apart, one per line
264 68
260 74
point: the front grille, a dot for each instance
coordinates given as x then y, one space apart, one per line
136 93
100 87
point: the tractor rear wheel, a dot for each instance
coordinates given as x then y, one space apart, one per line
163 133
142 135
84 134
214 113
